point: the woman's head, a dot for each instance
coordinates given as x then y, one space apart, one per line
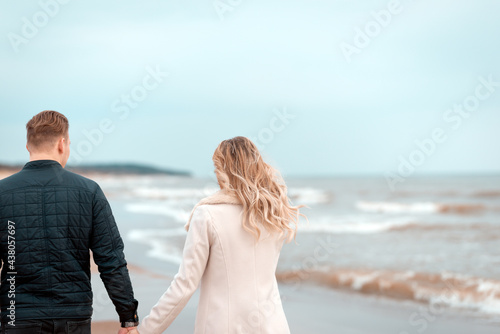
236 160
240 169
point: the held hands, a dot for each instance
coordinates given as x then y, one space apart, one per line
128 330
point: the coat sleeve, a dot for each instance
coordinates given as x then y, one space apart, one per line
194 260
107 248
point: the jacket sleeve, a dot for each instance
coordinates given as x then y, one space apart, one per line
194 261
107 247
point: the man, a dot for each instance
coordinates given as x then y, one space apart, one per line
49 220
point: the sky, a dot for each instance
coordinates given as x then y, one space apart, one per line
341 87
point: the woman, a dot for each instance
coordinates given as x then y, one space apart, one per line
233 244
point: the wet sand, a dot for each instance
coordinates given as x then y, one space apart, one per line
6 173
310 310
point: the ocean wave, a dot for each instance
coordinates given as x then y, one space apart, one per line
421 226
362 225
308 196
179 215
393 207
461 208
419 207
298 195
491 193
486 194
354 224
445 289
174 193
160 249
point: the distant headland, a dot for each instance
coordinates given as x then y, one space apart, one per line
107 169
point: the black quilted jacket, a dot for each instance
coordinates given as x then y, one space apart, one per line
55 217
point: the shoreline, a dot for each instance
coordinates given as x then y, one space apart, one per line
314 301
310 309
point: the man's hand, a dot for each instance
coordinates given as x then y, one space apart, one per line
131 330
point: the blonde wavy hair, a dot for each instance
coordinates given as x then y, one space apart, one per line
241 170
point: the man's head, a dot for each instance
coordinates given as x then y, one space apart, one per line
48 137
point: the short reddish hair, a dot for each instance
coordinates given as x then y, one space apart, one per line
45 128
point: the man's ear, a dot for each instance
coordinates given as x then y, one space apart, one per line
27 148
60 145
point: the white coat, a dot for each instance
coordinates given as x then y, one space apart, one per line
239 292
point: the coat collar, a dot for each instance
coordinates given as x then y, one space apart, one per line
220 197
38 164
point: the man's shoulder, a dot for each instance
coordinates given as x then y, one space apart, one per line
10 181
62 178
77 180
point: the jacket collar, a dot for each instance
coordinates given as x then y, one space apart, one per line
220 197
42 164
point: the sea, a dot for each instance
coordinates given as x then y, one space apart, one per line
432 240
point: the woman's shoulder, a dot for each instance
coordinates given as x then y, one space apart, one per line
205 208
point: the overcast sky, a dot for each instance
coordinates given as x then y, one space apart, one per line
323 87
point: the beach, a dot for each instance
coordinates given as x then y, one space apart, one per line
423 259
309 309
